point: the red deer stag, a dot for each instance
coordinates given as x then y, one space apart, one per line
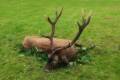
60 51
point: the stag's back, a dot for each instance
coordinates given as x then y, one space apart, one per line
43 43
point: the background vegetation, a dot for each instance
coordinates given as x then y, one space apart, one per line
19 18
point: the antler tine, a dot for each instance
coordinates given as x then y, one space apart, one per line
85 22
49 20
88 20
58 16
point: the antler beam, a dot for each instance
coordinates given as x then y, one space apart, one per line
53 24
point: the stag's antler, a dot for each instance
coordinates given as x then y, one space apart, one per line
53 24
82 26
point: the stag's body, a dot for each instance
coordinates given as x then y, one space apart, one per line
44 44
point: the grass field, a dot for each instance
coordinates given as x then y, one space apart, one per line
19 18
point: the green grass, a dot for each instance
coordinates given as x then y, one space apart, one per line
19 18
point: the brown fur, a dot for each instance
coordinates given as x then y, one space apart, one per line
44 44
